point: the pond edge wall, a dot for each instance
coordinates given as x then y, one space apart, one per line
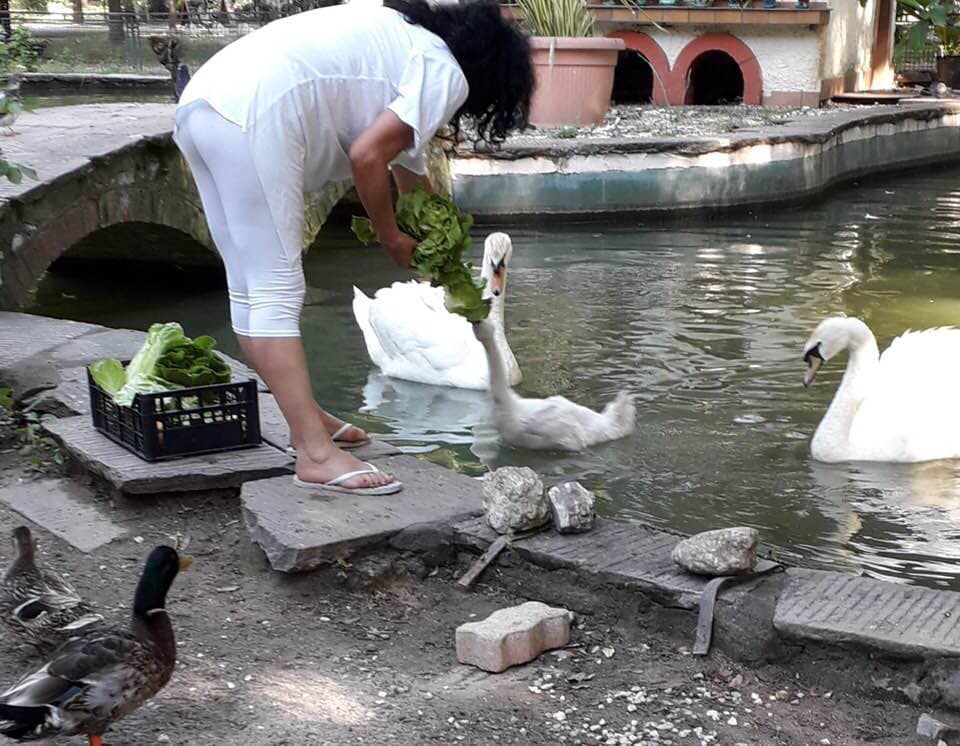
606 178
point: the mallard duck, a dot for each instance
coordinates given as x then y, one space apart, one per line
104 674
40 607
11 104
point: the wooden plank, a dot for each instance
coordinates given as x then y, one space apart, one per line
471 575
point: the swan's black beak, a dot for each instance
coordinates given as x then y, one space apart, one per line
814 360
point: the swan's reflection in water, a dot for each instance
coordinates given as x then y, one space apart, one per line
422 417
886 513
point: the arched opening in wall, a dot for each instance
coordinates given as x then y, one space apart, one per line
130 275
715 79
633 79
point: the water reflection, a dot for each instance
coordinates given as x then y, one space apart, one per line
704 323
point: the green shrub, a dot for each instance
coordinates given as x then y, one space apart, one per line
19 51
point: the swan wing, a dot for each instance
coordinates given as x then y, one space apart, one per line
911 411
555 422
419 338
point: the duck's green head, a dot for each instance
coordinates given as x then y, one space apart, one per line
159 572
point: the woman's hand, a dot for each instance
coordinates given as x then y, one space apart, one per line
370 157
400 246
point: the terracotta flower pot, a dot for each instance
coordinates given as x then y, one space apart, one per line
574 80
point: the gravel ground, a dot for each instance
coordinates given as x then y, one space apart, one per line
683 121
363 652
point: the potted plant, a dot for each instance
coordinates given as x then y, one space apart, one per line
574 68
940 19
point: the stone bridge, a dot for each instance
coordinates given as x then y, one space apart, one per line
99 167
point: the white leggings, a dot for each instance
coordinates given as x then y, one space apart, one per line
266 285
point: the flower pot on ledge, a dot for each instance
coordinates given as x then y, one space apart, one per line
574 80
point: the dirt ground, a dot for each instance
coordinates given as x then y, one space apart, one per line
363 652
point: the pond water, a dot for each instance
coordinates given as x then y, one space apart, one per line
65 98
704 322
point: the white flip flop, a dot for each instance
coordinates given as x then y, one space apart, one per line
343 445
335 485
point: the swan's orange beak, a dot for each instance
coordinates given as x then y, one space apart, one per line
813 365
498 280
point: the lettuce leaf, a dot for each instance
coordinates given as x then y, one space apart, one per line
443 235
109 375
167 361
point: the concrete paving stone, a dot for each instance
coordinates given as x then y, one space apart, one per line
622 552
843 609
130 474
65 509
300 530
514 636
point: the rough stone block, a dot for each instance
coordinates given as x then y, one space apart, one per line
572 507
300 530
726 551
514 636
514 501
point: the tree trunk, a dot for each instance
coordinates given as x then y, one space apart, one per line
5 18
115 20
78 11
172 23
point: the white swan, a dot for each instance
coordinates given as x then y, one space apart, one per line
411 335
903 406
549 424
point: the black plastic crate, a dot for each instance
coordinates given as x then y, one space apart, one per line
185 422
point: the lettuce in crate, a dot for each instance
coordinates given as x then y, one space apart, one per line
168 360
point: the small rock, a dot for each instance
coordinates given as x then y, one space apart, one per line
935 730
510 637
514 501
572 506
727 551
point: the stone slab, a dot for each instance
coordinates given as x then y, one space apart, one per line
65 509
620 552
846 609
96 345
300 530
22 336
129 474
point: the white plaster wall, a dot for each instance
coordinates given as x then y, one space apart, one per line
789 57
848 38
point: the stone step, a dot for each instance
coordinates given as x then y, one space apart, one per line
129 474
66 509
299 530
847 609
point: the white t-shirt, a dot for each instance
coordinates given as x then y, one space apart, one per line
303 88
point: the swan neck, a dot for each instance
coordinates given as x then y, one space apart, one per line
499 385
833 433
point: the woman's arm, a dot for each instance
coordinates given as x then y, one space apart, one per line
370 158
407 180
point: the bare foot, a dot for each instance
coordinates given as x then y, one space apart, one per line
353 435
327 466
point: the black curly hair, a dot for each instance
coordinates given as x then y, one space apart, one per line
494 56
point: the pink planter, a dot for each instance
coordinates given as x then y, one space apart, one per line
574 80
